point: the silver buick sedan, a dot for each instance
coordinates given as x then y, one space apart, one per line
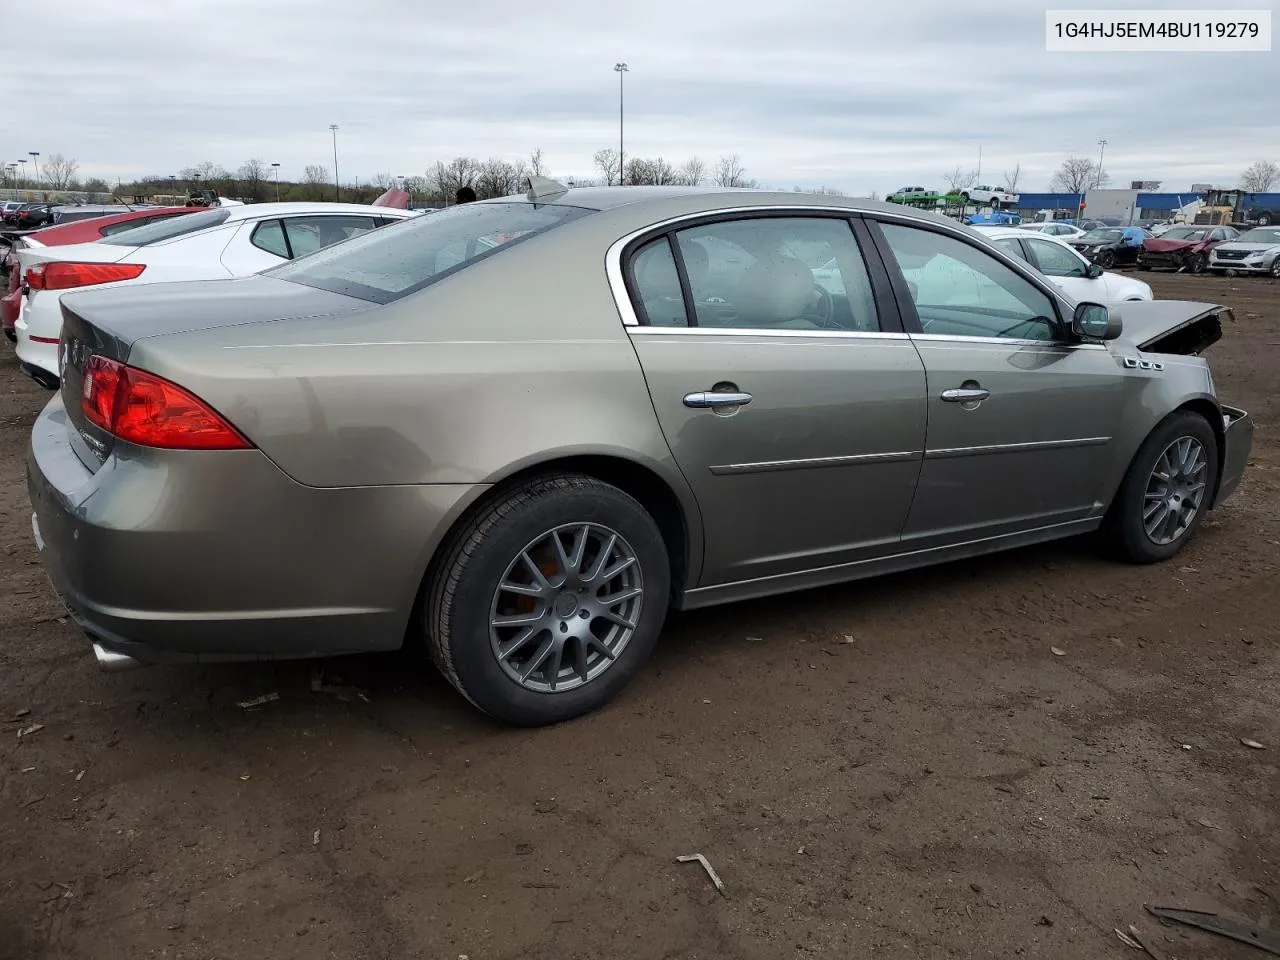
513 434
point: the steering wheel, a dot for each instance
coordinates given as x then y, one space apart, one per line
823 312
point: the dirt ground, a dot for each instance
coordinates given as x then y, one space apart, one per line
895 769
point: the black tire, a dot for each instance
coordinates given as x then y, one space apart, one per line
1125 519
1196 263
461 595
1264 219
1106 259
965 196
1275 268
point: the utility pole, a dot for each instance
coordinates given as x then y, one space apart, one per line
276 168
337 191
621 68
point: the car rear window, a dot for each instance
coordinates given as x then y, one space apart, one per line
387 264
168 229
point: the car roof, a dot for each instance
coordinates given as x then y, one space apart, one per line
692 200
253 211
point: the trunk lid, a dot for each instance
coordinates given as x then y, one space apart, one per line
1173 326
109 322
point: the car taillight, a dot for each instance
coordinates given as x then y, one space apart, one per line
141 408
64 276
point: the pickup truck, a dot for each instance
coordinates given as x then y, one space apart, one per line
992 195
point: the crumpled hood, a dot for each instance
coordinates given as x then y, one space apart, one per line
1160 245
1171 326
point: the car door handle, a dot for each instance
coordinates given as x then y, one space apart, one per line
709 400
965 394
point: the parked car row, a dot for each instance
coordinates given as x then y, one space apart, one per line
163 245
513 434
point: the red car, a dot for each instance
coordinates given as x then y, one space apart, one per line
1183 247
79 231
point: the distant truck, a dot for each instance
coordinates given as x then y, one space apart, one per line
1233 208
992 196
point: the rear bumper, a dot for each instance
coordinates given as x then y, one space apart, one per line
1238 444
181 556
37 338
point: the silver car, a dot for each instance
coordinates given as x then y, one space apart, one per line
514 433
1254 251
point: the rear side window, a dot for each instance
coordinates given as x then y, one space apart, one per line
269 236
382 266
309 234
168 229
657 285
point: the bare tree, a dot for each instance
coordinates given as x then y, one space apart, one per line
448 178
315 181
730 172
499 178
60 171
252 173
606 162
537 163
661 173
960 180
821 191
384 181
1011 178
1259 177
1078 174
693 172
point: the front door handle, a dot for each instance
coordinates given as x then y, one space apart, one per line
965 394
711 400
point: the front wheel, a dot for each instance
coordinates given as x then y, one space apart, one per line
1196 263
1264 220
1106 259
1275 267
549 600
1166 490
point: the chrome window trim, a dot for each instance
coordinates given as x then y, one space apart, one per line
647 331
1004 341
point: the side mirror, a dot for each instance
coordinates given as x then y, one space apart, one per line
1095 321
1094 271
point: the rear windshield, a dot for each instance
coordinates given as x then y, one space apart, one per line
168 229
387 264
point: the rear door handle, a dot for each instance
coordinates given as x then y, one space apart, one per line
965 394
708 400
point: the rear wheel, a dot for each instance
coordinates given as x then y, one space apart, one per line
1264 220
549 600
1165 493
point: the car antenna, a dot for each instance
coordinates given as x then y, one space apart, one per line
544 188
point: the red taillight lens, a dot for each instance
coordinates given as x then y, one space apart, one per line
141 408
64 276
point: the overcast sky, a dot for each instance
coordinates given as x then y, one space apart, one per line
848 94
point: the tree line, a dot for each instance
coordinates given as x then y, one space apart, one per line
256 181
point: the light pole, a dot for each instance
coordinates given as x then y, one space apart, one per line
35 154
337 195
620 68
1102 149
276 169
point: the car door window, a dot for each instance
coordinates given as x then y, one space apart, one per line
1011 246
1216 235
309 234
269 236
778 273
959 290
657 285
1055 260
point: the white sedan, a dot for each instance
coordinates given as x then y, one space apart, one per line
1078 278
1052 228
215 244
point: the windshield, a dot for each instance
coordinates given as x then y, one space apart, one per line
1102 236
1184 233
387 264
1260 235
167 229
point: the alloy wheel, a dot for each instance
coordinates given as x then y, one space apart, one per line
566 607
1175 491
